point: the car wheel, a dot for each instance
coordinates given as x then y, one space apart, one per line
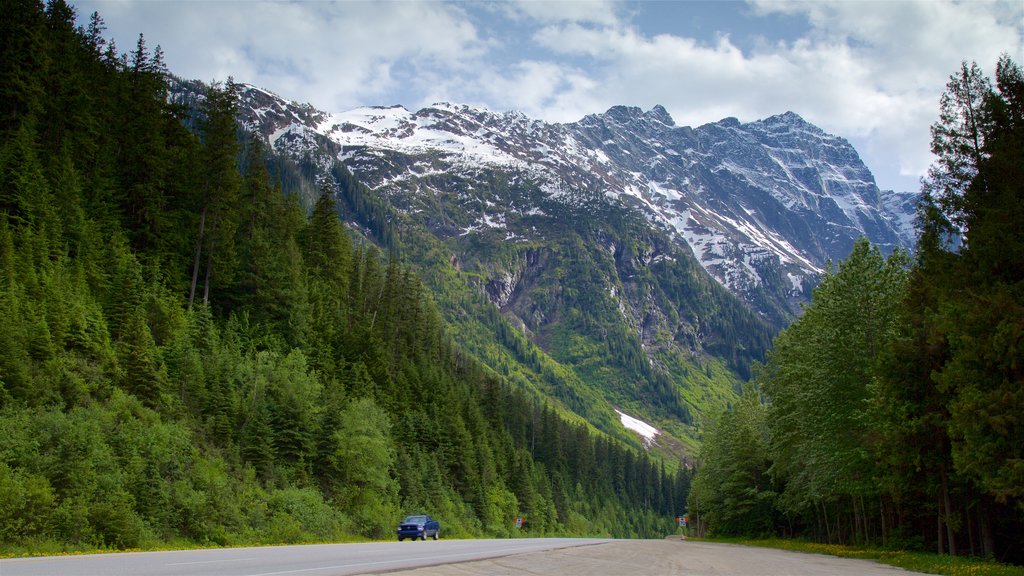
437 534
400 538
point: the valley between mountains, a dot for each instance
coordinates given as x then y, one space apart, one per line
616 265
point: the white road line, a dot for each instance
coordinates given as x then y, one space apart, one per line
212 561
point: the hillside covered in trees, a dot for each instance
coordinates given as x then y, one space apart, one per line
892 411
188 354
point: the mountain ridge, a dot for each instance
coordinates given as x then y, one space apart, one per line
821 195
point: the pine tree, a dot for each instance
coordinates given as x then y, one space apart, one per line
256 439
219 205
985 323
23 57
144 165
142 373
957 140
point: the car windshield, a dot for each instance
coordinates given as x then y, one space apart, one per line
415 519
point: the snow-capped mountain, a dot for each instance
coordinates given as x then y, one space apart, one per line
755 202
633 264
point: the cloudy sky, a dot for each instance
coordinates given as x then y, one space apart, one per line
871 71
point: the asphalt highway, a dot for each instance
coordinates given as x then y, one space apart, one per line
535 557
317 560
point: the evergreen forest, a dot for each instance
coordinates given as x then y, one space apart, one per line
191 355
891 412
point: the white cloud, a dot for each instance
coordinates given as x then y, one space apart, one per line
331 54
540 89
603 12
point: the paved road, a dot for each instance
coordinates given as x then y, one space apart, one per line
536 557
320 560
663 558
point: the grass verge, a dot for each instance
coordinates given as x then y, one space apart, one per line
35 548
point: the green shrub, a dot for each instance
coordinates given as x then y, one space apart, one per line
26 504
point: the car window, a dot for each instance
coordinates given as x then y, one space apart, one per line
415 519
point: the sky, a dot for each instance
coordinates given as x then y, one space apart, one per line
871 71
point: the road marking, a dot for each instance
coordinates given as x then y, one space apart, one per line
212 561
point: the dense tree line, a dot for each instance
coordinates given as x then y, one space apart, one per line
188 355
891 411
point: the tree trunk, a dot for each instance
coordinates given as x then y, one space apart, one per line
864 519
988 543
855 528
195 264
828 528
206 284
948 506
881 516
970 532
817 522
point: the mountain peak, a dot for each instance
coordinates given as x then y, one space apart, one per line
633 115
624 114
790 120
790 117
659 114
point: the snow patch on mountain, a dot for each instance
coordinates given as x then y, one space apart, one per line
435 129
642 428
